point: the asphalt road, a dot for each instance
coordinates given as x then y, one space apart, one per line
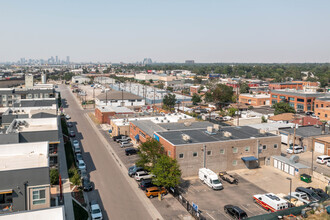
112 190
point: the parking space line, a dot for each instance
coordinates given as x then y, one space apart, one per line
259 206
245 207
210 216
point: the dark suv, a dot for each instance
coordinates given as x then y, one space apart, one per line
235 212
310 193
147 183
133 169
319 192
130 151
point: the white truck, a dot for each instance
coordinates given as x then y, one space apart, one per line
210 178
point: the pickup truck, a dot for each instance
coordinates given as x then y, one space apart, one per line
302 197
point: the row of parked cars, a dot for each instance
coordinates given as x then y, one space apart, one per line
324 159
125 142
145 182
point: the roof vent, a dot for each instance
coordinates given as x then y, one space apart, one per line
168 121
184 116
186 137
210 129
294 159
216 127
161 120
156 119
262 131
187 124
227 134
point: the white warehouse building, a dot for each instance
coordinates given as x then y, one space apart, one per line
119 98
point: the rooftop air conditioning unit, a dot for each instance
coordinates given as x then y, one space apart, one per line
227 134
210 129
216 127
156 118
168 121
161 121
184 116
262 131
186 137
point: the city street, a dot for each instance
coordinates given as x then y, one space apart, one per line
112 189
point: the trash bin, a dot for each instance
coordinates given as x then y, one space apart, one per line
306 178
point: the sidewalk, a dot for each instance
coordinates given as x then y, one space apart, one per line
64 175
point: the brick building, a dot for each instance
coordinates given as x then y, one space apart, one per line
298 99
225 148
286 85
255 99
103 113
322 145
322 107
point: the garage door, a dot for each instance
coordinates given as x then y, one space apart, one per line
291 170
319 147
279 165
284 138
286 168
275 163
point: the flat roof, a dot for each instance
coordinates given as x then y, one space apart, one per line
324 98
118 95
306 131
202 136
325 139
117 109
258 96
294 92
147 126
23 156
271 126
33 124
53 213
186 125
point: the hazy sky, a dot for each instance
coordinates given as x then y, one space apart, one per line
167 30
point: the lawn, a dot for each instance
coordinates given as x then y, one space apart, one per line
79 212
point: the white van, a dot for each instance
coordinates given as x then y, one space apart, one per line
297 149
323 159
210 178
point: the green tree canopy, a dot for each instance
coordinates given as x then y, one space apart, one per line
222 93
169 88
167 172
232 111
149 152
169 101
196 99
244 88
283 107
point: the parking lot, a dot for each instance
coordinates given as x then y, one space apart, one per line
212 202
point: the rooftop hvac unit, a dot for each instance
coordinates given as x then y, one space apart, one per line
216 127
156 118
210 129
294 159
168 121
186 137
227 134
262 131
187 124
164 118
184 116
161 121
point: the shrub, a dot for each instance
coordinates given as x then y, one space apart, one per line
54 177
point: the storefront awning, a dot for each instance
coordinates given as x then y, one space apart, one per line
6 191
252 158
137 137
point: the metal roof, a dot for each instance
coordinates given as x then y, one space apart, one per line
288 161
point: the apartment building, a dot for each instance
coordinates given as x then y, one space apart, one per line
300 100
103 114
24 175
286 85
322 107
219 148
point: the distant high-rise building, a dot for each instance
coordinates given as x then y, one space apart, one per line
147 61
43 78
190 61
29 80
68 59
56 60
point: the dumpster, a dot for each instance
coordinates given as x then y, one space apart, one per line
306 178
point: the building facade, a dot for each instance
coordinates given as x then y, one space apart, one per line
254 100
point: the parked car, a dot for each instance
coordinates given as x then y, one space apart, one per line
96 212
75 143
155 191
297 149
118 137
142 175
77 149
301 196
78 157
319 192
72 134
310 193
130 151
67 117
126 144
235 212
87 185
83 174
323 159
81 165
133 169
146 184
70 124
123 139
309 113
226 118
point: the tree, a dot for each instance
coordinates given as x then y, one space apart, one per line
169 88
232 111
263 119
169 101
74 176
54 176
222 93
167 172
149 152
151 81
244 88
283 107
196 99
208 97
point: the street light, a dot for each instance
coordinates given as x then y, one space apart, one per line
288 178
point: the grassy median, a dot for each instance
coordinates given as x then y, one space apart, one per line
79 212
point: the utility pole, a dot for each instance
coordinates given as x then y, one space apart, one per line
153 109
312 156
122 97
258 145
106 97
237 100
288 178
204 155
94 96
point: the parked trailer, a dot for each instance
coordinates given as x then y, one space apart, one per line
227 177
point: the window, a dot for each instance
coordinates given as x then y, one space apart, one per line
275 146
291 104
247 149
317 105
234 162
195 154
300 100
274 96
181 156
309 100
39 196
326 115
169 153
209 152
274 101
264 147
300 106
282 97
291 98
235 150
321 105
222 151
